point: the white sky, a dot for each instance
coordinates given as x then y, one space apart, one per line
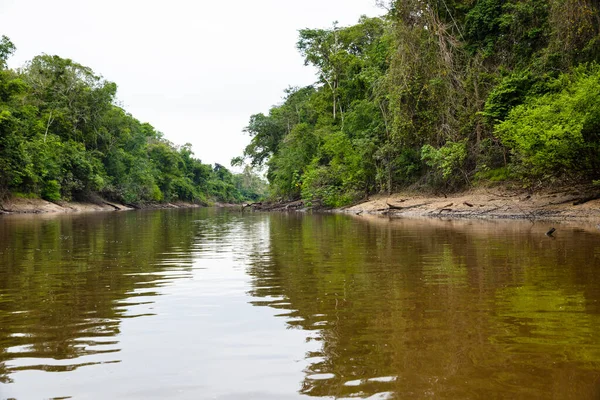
195 70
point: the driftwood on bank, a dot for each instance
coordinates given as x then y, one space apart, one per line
117 208
3 210
244 206
392 208
275 206
586 199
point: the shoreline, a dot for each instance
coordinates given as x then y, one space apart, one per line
572 204
20 206
576 204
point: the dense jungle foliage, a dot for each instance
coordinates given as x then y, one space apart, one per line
62 137
442 95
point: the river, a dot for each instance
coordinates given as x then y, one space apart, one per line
215 304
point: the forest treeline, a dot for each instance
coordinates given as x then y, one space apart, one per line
62 137
439 95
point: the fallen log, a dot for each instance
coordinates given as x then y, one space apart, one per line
244 206
112 205
294 205
393 207
586 199
278 206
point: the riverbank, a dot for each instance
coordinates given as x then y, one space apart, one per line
574 203
18 205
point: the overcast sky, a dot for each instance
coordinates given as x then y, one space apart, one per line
195 70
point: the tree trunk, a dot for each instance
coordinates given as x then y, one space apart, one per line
48 126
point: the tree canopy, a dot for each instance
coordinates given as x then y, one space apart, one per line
63 137
439 95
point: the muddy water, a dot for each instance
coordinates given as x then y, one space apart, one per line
205 304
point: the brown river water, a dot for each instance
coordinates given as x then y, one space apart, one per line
209 304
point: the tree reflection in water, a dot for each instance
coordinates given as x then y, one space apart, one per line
431 308
389 309
67 282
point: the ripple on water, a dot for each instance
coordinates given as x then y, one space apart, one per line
320 377
358 382
322 306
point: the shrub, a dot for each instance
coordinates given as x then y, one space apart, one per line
447 161
556 134
51 191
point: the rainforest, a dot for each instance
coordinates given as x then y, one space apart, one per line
63 137
439 95
436 95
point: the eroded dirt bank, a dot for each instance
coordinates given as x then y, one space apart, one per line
17 205
564 204
498 203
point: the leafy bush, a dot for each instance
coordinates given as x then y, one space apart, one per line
322 185
557 133
494 175
51 191
447 161
510 92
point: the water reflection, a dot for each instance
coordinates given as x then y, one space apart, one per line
201 304
67 282
418 309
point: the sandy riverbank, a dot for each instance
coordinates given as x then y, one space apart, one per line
577 203
16 205
565 204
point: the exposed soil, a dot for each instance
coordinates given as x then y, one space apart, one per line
17 205
570 204
575 203
565 204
